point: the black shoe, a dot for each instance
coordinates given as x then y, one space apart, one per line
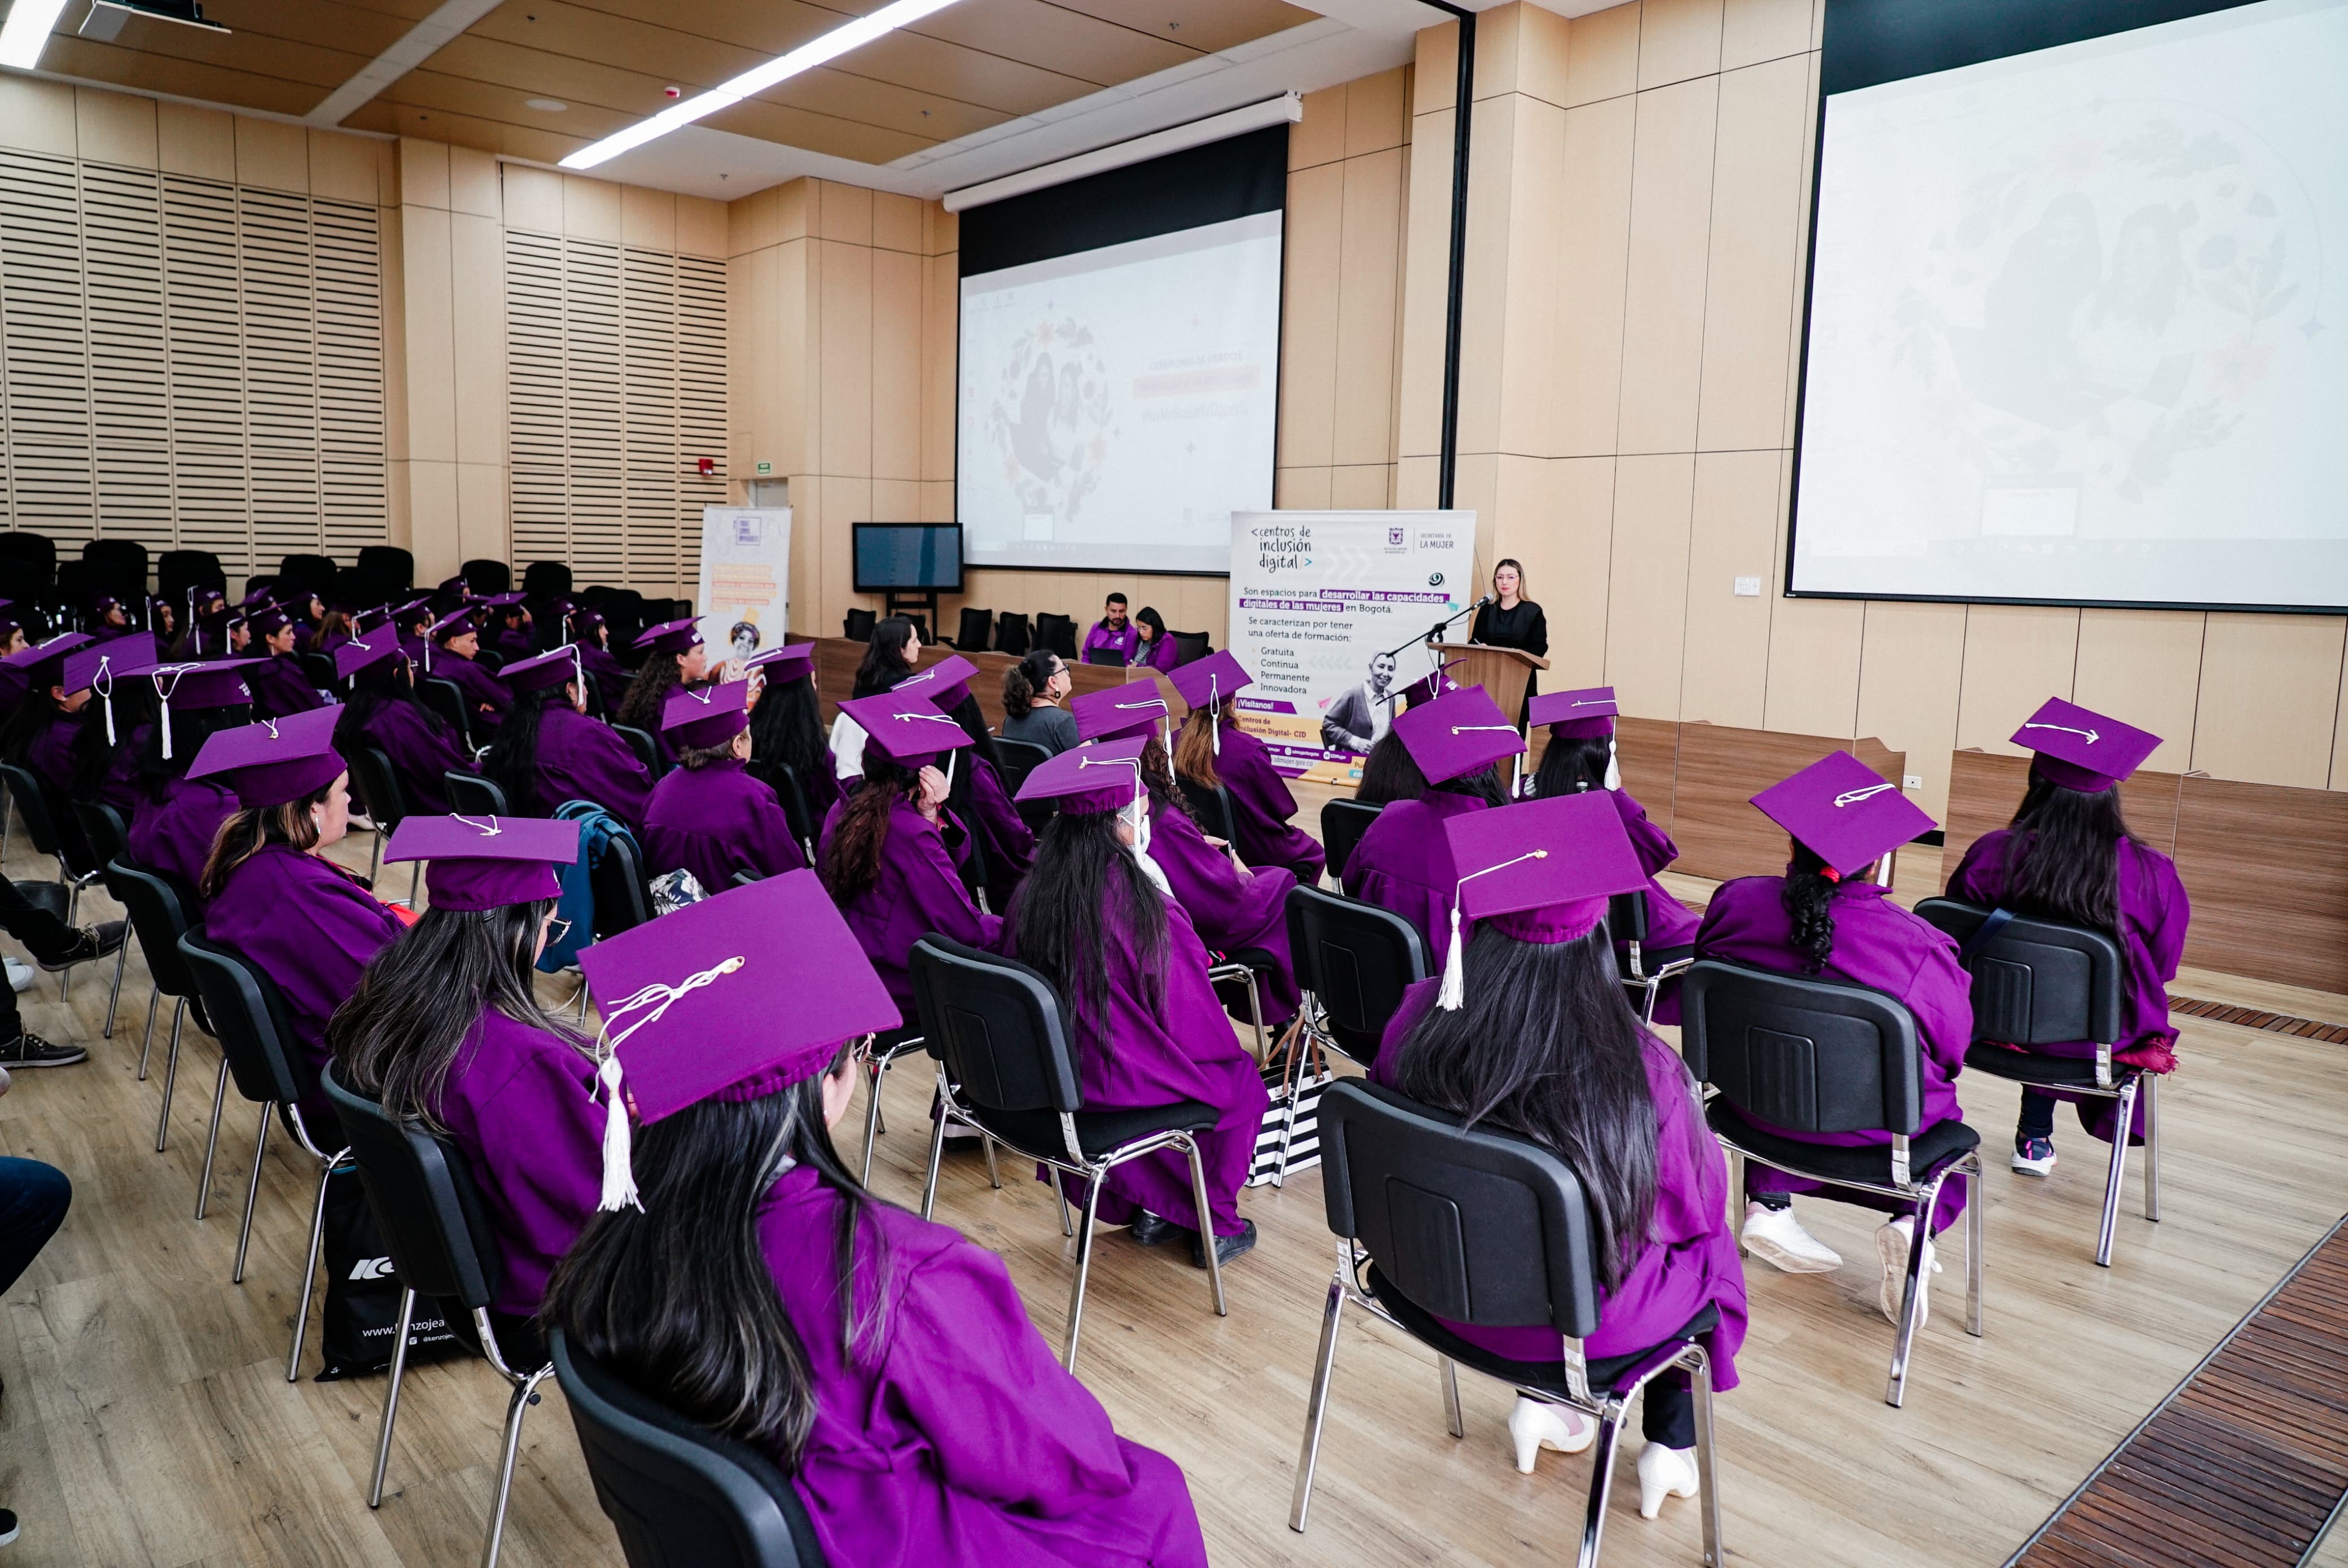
1226 1247
29 1050
1147 1230
90 942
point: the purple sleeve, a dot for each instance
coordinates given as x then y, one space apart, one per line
769 844
941 901
1941 996
1416 998
1650 843
1980 875
1247 771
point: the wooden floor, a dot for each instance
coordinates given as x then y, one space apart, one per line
147 1421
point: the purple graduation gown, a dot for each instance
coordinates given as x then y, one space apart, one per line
313 929
918 892
478 686
1229 909
1690 1260
608 672
1102 639
420 752
1261 800
175 834
2153 913
1404 863
519 1101
50 753
1156 656
579 758
956 1436
281 687
714 821
1010 842
1670 922
1879 944
120 787
1178 1047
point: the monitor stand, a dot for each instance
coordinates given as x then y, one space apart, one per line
902 602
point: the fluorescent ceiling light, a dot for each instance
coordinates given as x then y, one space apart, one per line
26 32
806 57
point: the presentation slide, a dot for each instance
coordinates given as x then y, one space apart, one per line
2076 330
1118 405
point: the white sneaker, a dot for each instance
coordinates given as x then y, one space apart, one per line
2033 1156
1777 1238
1536 1426
1665 1472
20 975
1892 1242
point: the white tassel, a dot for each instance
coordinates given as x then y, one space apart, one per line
163 717
619 1144
1454 971
1613 767
1215 712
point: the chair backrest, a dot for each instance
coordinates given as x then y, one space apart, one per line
1357 959
1473 1225
316 573
103 829
490 660
1343 823
596 708
1213 807
546 579
975 632
33 803
678 1494
422 1192
1802 1054
472 795
2037 982
120 565
249 1018
785 781
32 561
857 626
646 748
616 881
388 567
320 668
1057 633
378 785
177 571
997 1026
160 911
1626 916
447 698
1191 646
1013 633
486 577
1020 757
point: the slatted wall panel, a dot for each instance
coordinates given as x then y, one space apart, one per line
45 347
701 398
349 304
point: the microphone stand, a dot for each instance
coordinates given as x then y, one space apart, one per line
1438 629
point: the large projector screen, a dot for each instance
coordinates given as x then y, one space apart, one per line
1119 370
2075 332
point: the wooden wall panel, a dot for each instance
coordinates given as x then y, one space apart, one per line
1678 39
1757 223
1814 659
2016 656
2143 666
1646 601
1591 270
1308 314
1647 752
1755 30
1671 225
2267 870
2270 698
1369 301
1733 533
1721 769
1911 659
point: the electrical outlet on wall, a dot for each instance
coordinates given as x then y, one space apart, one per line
1749 587
1911 782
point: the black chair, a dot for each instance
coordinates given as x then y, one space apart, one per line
882 1054
857 626
596 706
438 1236
1213 807
1815 1056
1479 1227
976 633
470 795
320 668
30 560
119 566
177 571
1650 967
616 883
1191 646
57 837
678 1494
487 577
102 828
490 660
2043 983
446 699
1343 823
1057 633
1007 1070
546 579
389 570
1021 757
1013 633
386 807
783 780
257 1047
161 912
1354 960
313 572
646 748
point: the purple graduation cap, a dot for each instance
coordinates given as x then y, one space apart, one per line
671 636
183 688
207 600
270 620
43 664
374 646
909 730
1432 684
1458 733
276 760
1206 682
1540 872
368 620
486 863
541 671
456 585
735 998
503 601
1134 708
1089 778
1844 812
696 717
788 662
2079 749
100 666
943 684
1585 714
455 623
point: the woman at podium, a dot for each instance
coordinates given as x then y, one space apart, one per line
1512 621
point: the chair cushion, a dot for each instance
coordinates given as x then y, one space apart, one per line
1929 1150
2037 1067
1098 1131
1546 1376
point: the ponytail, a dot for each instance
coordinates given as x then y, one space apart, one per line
1809 894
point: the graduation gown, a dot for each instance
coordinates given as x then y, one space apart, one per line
1263 804
174 834
50 754
1229 909
957 1437
1404 863
917 892
420 752
1670 922
2153 914
119 786
1009 842
1690 1260
281 687
714 821
579 758
1879 944
478 686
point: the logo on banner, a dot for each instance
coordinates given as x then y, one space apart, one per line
1393 536
749 530
1434 580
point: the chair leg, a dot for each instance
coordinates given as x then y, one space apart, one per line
1736 1200
994 1176
375 857
121 956
1451 1417
1324 1363
1601 1484
147 1041
212 1141
1067 1226
391 1396
1255 1013
309 1275
1708 1467
525 1395
2148 1087
2115 1176
1914 1293
170 1071
1206 1228
1973 1260
414 876
1084 1269
252 1191
937 1152
872 1118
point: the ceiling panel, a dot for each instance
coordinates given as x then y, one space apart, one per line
1210 25
1054 38
815 132
462 130
94 61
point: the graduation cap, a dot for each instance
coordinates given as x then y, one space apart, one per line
944 684
270 620
501 600
100 666
1540 872
2079 749
910 730
203 601
276 760
456 585
1134 708
1089 778
540 671
702 717
788 662
43 664
1205 683
1458 733
487 863
218 683
1844 812
735 998
359 652
1583 715
671 636
1432 684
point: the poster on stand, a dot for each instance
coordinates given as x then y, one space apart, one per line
745 578
1330 613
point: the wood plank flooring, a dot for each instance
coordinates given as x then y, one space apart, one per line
147 1421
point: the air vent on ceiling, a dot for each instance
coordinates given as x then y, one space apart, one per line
107 16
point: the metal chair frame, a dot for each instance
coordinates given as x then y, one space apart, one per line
126 871
1634 907
386 815
877 1064
115 839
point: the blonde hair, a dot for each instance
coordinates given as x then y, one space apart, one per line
1194 748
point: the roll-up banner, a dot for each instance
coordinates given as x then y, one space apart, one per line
1330 613
746 580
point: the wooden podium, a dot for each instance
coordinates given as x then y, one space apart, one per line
1502 672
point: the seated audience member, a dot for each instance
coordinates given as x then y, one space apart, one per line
448 655
207 633
1112 640
980 800
445 1029
413 622
1823 918
54 945
508 634
1388 774
1528 1034
885 1363
2068 855
1095 918
1035 702
593 638
381 711
102 757
1404 860
708 814
889 656
280 684
673 656
1214 750
108 617
1155 648
49 718
548 751
787 727
176 817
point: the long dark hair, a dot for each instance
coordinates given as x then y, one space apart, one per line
512 761
678 1298
1573 764
850 861
787 727
972 719
1157 778
1808 898
31 720
397 1035
1545 1046
2063 861
1145 616
254 828
658 675
884 663
191 727
1024 681
1483 784
373 689
1081 879
1388 774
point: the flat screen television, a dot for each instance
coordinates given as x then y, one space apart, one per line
918 556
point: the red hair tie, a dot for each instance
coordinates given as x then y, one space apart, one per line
1831 874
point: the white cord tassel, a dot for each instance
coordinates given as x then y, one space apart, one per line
163 718
619 1145
1455 970
1215 712
1613 767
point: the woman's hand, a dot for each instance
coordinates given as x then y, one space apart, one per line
932 798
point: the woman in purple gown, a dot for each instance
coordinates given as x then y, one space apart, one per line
548 752
709 815
1213 749
1824 918
2068 855
1157 648
508 631
1096 918
1005 844
381 711
749 1282
449 657
673 656
101 757
593 638
177 818
787 727
41 732
1540 1044
280 684
443 1028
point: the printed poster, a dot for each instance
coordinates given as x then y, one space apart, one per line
745 573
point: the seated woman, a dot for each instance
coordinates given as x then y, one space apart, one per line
280 684
1536 1040
508 633
102 757
886 1364
979 800
1157 646
887 849
176 818
381 711
1215 750
709 815
443 1028
1581 757
2068 855
892 654
271 894
1822 918
673 656
593 638
448 655
1035 702
548 751
206 636
1404 860
49 718
1096 918
1388 774
787 727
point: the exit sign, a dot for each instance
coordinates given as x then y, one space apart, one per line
766 468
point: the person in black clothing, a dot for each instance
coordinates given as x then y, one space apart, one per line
54 945
1512 621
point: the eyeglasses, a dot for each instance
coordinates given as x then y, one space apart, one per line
556 930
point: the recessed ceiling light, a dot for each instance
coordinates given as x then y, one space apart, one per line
547 106
26 32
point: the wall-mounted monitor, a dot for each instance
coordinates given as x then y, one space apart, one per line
911 557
